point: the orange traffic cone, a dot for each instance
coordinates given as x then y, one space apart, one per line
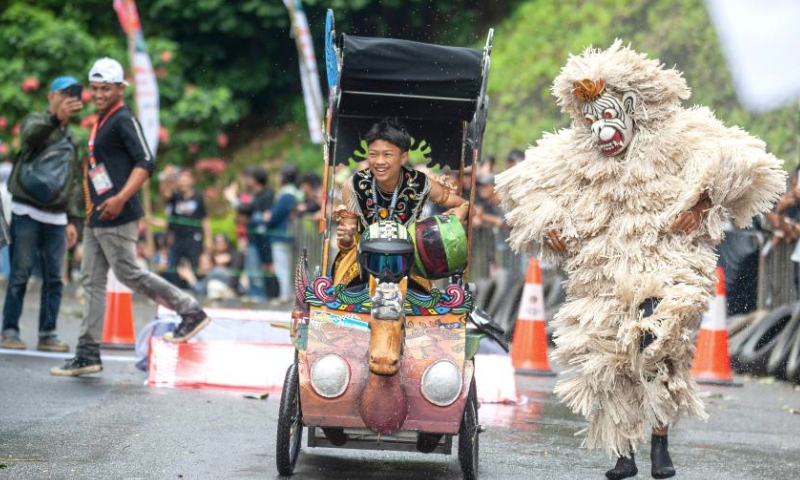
529 347
118 325
712 364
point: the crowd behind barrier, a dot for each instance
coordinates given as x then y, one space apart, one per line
760 271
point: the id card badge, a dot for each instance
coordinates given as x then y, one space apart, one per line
100 179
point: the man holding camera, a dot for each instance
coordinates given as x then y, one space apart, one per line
45 209
119 163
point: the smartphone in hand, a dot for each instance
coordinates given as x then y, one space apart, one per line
74 91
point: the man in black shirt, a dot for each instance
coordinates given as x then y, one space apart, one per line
118 165
258 261
189 227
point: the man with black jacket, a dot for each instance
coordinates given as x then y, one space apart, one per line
119 162
42 229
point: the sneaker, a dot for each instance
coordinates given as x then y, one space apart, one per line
12 342
51 344
78 366
188 328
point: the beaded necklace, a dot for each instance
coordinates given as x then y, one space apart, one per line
383 214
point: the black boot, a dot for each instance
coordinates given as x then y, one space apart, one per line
659 456
625 468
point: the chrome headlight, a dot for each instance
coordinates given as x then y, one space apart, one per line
330 376
441 383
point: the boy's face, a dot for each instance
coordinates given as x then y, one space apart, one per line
185 180
385 160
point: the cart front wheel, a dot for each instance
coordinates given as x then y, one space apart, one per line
468 436
290 426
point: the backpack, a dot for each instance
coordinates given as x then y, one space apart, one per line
45 176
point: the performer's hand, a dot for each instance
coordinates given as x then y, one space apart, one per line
111 208
689 220
556 242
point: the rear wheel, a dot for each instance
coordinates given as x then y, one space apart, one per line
468 436
290 425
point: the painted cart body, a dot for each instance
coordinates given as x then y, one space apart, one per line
439 93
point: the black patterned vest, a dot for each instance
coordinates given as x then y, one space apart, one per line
413 193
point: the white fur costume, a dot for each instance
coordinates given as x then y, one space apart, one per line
614 213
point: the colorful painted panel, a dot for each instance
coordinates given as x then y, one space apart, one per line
453 300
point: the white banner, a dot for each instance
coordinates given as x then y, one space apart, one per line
760 40
146 87
309 75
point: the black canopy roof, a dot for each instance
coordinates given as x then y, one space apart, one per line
393 66
432 89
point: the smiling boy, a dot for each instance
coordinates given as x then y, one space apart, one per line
388 190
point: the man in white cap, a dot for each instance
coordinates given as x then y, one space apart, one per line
119 162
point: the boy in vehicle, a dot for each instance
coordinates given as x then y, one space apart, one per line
388 190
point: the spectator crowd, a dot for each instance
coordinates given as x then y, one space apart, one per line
249 259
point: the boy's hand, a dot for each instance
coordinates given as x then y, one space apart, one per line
461 212
346 234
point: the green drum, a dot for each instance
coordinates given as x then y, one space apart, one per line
440 246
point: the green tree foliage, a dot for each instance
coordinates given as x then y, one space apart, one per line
38 47
38 44
246 45
535 42
221 65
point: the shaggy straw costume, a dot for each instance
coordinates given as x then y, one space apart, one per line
614 214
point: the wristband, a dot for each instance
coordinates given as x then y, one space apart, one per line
54 120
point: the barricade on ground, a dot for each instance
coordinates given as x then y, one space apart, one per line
793 359
779 356
754 345
243 349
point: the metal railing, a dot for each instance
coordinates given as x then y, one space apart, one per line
777 275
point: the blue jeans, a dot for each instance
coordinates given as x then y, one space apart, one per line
5 262
33 242
255 272
282 259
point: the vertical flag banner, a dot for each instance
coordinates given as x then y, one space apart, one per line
309 76
145 80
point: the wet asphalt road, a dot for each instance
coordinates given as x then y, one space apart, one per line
112 426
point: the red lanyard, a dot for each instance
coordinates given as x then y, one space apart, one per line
98 126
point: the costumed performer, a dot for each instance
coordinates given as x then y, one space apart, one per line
631 200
